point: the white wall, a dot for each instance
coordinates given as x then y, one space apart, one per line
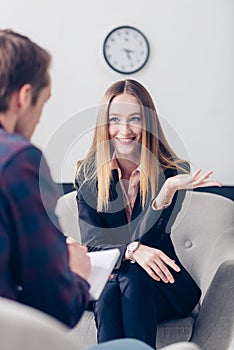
190 73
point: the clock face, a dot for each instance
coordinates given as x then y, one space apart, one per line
126 49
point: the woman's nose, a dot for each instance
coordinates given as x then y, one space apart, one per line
125 128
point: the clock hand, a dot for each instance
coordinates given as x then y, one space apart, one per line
128 52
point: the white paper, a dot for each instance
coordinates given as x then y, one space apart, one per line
102 264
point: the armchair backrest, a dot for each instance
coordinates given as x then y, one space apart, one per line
67 213
203 234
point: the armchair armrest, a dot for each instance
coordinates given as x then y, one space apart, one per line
214 326
182 346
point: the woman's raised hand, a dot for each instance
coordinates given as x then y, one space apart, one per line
194 180
182 182
155 263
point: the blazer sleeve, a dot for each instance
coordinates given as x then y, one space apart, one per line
156 223
95 232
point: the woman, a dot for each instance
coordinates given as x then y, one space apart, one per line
130 188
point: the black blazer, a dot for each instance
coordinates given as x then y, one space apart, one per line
110 229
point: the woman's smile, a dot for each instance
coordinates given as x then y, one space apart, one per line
125 124
125 141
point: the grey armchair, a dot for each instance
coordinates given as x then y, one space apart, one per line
24 328
203 234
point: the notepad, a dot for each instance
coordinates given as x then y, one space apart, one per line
102 264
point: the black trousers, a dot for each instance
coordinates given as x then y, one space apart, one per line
132 303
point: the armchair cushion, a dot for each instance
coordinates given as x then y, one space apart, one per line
176 330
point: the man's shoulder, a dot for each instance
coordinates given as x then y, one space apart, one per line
11 145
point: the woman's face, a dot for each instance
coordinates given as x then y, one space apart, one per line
125 124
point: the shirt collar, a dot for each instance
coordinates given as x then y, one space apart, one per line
115 166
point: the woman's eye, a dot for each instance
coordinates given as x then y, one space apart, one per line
135 119
113 120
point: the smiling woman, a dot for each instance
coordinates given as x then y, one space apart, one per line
125 127
130 188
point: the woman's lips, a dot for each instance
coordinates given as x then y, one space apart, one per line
125 141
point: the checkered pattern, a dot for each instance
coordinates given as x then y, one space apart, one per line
33 254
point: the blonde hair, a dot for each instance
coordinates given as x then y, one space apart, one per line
155 150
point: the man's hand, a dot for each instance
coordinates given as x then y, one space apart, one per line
79 261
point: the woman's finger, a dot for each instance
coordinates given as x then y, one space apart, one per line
159 272
209 183
169 262
166 275
203 177
196 174
150 272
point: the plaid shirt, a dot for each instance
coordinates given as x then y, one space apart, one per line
34 266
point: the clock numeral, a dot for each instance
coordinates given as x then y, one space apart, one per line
126 39
112 39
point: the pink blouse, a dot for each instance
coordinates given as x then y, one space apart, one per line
129 187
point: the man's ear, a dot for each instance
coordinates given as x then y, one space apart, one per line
24 97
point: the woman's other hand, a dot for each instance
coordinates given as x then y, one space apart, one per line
194 180
155 263
182 182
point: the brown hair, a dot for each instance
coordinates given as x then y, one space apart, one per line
21 62
155 151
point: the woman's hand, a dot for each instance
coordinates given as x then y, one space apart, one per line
189 181
182 182
155 263
79 261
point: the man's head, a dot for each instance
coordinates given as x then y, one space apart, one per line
24 78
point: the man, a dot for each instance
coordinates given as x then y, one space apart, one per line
37 267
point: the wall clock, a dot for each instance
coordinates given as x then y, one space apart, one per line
126 49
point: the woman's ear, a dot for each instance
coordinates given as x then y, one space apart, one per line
24 97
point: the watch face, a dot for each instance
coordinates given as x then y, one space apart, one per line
133 246
126 49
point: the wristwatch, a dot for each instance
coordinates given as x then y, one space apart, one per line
131 248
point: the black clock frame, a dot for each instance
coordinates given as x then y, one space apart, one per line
147 44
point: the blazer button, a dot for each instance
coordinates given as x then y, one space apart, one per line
188 244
